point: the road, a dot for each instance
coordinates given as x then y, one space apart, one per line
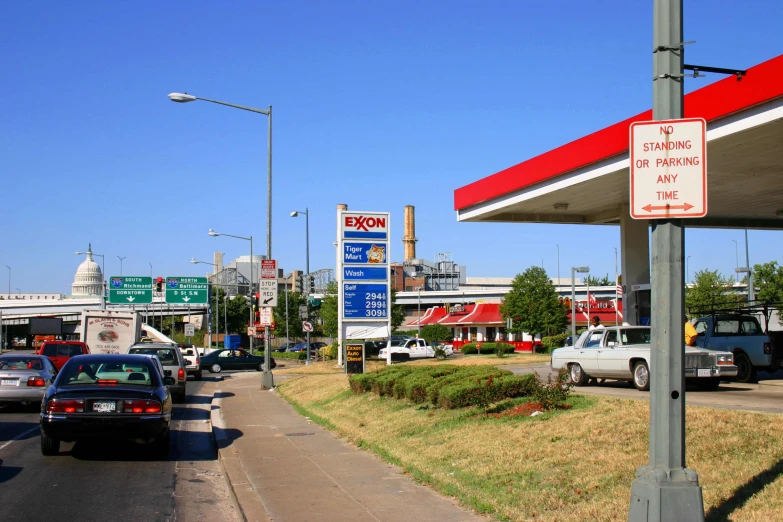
733 396
100 481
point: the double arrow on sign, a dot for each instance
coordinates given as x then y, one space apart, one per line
684 207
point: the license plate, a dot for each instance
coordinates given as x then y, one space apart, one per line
705 373
104 406
9 382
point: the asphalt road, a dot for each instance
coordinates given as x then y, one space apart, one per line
101 481
735 396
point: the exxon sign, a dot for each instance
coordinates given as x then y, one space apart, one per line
365 225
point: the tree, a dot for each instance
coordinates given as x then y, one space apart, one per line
397 311
595 281
328 311
295 300
710 291
237 310
769 280
435 333
533 304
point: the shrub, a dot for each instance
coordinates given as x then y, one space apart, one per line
486 348
464 374
486 390
328 352
362 382
554 391
551 342
384 383
289 355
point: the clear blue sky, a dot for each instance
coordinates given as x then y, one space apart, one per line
377 105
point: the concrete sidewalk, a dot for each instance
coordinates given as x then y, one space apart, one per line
283 467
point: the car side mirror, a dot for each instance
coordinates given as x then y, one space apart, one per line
167 373
169 381
611 344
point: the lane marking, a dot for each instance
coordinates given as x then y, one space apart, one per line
21 435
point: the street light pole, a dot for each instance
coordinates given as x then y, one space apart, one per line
687 269
9 281
558 267
153 309
581 270
736 252
267 380
418 320
307 270
121 259
751 284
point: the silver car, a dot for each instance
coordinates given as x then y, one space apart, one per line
25 378
173 364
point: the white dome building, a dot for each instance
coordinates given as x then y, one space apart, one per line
89 278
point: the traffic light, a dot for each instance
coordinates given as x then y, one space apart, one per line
311 285
254 298
159 284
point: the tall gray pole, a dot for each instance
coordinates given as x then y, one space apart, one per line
307 269
558 268
267 380
665 489
751 284
250 295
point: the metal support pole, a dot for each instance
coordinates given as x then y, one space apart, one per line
573 308
665 489
307 269
250 295
267 380
751 284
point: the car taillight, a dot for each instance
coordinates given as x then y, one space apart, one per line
140 406
767 347
65 406
36 381
108 382
198 361
181 375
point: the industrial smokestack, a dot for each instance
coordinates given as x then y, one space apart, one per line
409 241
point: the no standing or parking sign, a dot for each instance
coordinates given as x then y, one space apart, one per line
668 166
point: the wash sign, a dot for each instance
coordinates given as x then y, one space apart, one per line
365 225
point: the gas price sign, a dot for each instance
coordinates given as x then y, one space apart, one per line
365 301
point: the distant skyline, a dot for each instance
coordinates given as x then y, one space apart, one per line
376 105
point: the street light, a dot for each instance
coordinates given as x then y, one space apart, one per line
103 273
266 378
418 320
217 310
558 267
581 270
121 259
687 270
736 254
294 214
751 290
250 294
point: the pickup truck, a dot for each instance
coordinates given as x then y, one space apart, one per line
741 335
403 350
192 358
623 353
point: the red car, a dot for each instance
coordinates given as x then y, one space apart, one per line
60 351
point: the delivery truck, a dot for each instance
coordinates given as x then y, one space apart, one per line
110 331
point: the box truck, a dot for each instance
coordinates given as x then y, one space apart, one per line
110 331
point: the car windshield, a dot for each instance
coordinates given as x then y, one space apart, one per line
636 336
105 372
167 356
17 363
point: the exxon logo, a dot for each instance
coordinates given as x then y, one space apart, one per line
365 223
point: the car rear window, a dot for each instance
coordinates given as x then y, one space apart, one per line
20 363
105 373
62 350
167 356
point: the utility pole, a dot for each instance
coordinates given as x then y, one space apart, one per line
665 489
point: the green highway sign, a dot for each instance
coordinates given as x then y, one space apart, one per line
130 290
187 290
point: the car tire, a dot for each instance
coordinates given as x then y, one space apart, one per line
641 376
577 374
49 445
260 367
215 368
710 384
745 371
197 376
160 446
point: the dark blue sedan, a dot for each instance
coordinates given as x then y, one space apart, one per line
107 397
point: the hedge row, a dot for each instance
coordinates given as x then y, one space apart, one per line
289 355
487 348
447 386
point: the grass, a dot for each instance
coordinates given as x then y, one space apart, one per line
330 367
575 464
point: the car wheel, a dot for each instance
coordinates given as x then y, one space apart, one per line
160 446
745 370
577 374
49 446
641 376
197 376
215 368
260 367
710 384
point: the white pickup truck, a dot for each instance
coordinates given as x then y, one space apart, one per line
192 356
410 349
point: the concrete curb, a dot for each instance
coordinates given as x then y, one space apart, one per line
243 496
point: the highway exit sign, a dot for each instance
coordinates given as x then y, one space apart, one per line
668 167
130 290
187 290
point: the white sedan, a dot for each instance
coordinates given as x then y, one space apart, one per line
623 353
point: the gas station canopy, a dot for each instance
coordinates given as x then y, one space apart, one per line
587 181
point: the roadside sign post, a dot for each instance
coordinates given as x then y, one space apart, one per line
130 290
665 489
190 330
307 326
268 273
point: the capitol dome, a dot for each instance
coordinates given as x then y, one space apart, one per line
89 278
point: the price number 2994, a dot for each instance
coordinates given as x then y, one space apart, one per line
376 304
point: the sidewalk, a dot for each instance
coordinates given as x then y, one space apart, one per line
283 467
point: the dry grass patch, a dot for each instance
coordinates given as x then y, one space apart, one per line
570 465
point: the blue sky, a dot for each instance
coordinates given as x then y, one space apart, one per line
377 104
